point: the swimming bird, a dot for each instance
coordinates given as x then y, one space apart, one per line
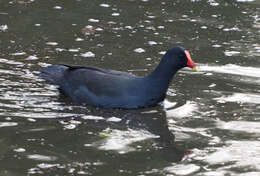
115 89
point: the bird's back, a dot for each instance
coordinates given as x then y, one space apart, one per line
95 86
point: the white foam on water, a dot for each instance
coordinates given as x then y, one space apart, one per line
88 54
114 119
139 50
115 14
52 43
183 111
93 20
230 53
19 150
47 166
232 69
39 157
120 140
91 117
104 5
8 124
167 104
3 28
182 169
240 98
240 126
240 153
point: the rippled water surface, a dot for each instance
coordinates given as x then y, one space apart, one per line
208 126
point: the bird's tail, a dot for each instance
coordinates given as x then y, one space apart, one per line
53 74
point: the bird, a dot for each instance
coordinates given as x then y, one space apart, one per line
116 89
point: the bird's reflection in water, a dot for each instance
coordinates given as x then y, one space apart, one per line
152 120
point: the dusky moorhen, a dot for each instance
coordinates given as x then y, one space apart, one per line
116 89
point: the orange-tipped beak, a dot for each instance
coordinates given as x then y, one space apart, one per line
190 62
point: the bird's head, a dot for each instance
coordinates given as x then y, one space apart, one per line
180 58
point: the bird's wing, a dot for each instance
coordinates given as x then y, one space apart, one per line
111 72
98 81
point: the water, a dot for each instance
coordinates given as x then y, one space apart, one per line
209 124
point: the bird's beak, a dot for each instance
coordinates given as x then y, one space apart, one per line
190 62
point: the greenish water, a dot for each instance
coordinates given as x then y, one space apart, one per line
209 124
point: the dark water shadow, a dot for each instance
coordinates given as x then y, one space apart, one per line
153 120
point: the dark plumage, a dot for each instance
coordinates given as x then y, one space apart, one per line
115 89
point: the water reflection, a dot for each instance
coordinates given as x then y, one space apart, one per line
137 125
99 132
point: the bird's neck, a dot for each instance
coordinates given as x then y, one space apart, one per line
164 72
161 77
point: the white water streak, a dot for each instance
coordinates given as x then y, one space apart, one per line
232 69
